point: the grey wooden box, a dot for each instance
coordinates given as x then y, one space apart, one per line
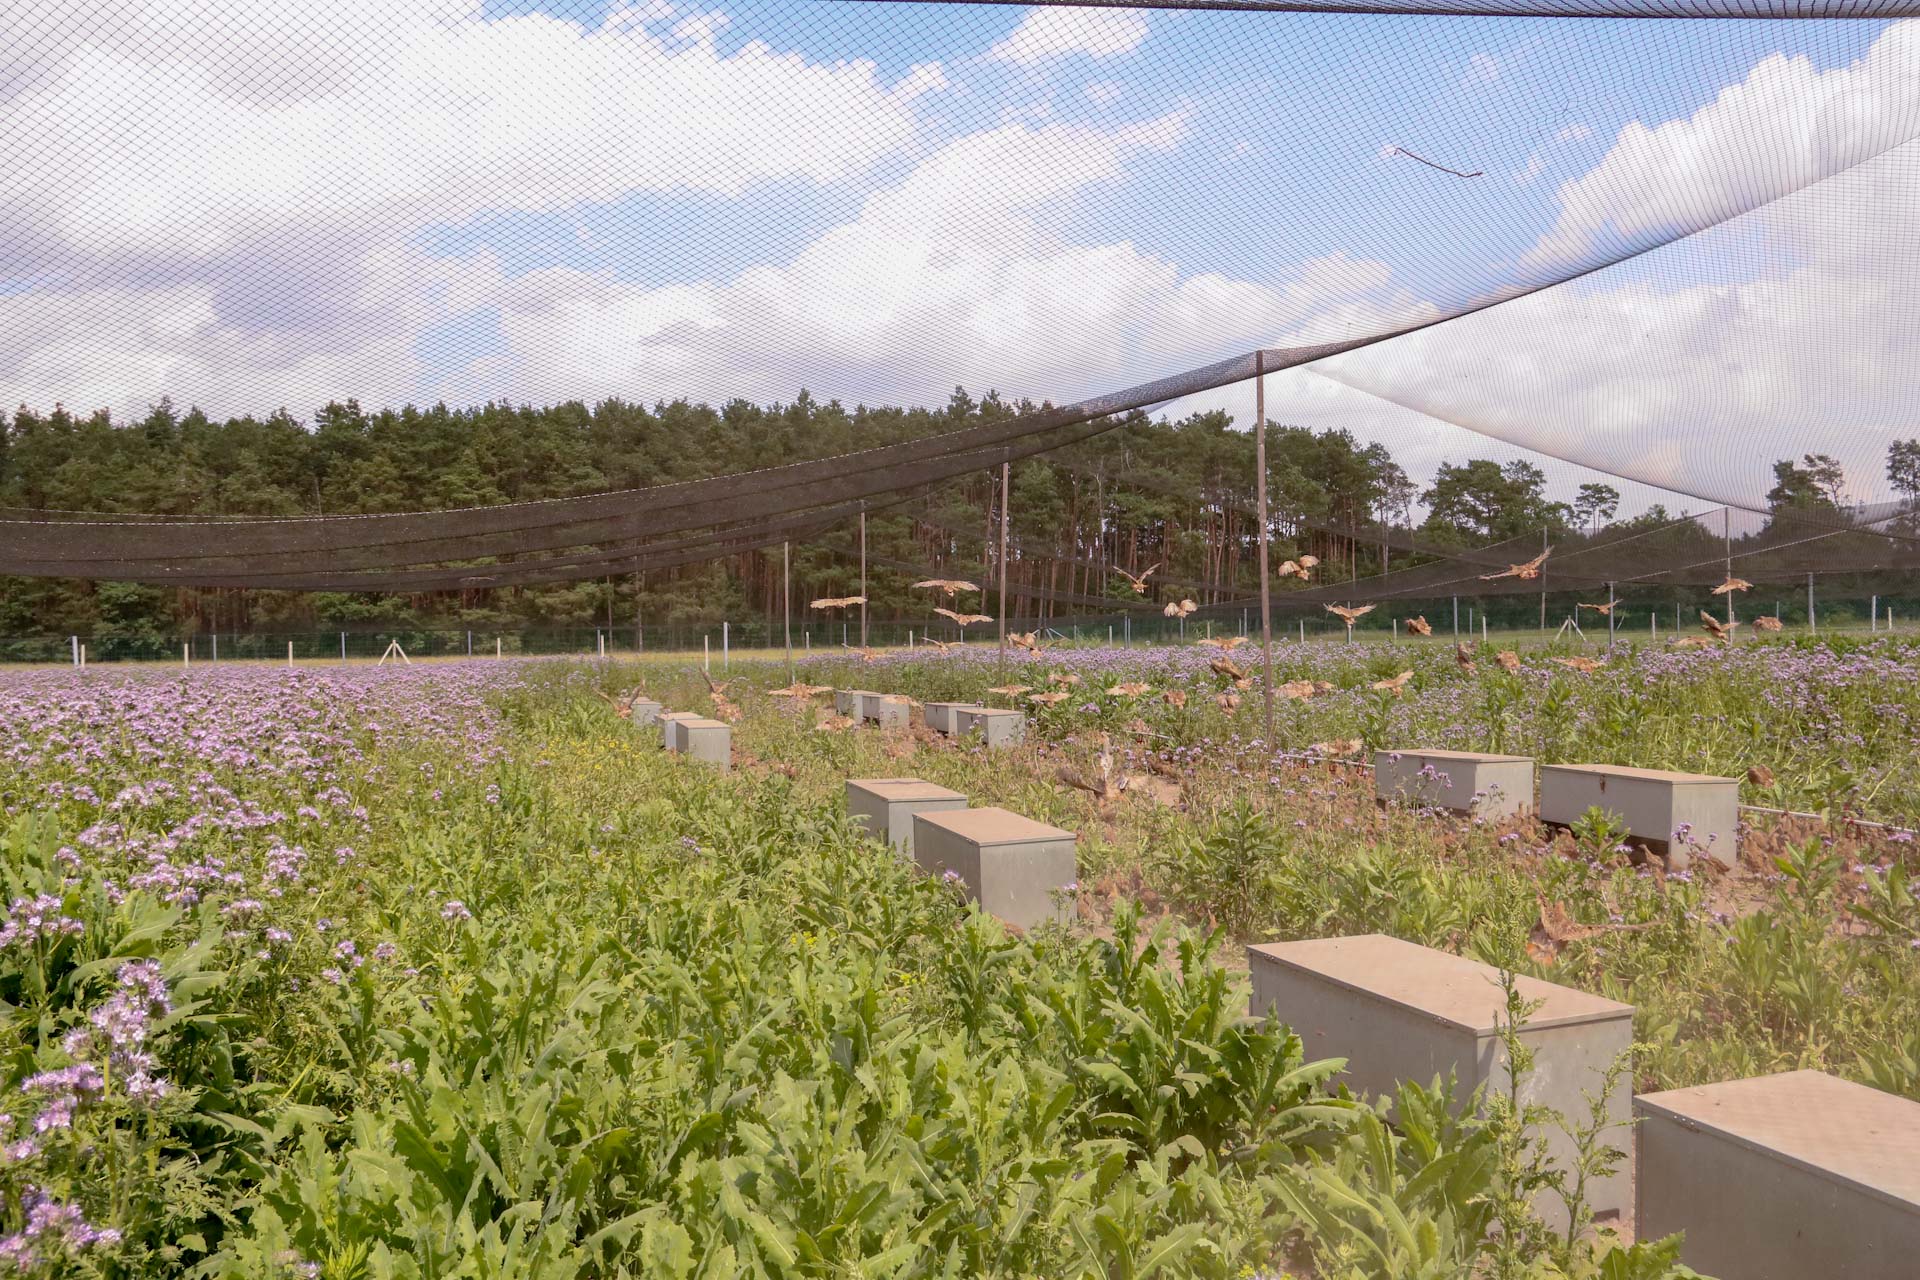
942 716
1010 865
885 806
1487 786
1397 1011
846 702
643 711
670 722
1783 1177
996 728
709 741
1653 803
889 711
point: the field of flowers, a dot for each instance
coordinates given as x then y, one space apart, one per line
449 972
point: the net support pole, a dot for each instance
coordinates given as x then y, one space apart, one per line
1726 532
786 601
863 577
1260 501
1610 603
1543 581
1006 480
1456 617
1813 628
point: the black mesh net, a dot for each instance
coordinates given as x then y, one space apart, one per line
1667 254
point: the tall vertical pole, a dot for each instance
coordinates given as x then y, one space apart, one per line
863 577
1260 504
1726 527
1006 481
1609 615
1812 626
786 600
1543 581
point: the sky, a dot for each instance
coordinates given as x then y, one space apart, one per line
246 205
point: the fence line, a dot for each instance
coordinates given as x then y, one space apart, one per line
1505 619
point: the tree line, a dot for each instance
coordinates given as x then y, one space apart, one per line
1178 493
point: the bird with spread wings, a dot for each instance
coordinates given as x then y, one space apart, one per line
1717 629
949 587
1301 568
1138 580
837 602
963 620
1396 685
1350 615
1531 569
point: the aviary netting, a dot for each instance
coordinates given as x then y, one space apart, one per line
1669 250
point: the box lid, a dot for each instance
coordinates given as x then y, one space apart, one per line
701 722
993 826
990 711
1479 757
1847 1131
1649 775
1453 989
973 706
897 789
681 715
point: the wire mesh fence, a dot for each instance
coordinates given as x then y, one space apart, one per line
1555 615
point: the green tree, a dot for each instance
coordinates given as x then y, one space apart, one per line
1595 505
1481 500
1817 483
1903 467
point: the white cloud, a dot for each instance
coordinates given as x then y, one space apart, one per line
405 122
1695 384
938 271
702 26
1048 34
1787 124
